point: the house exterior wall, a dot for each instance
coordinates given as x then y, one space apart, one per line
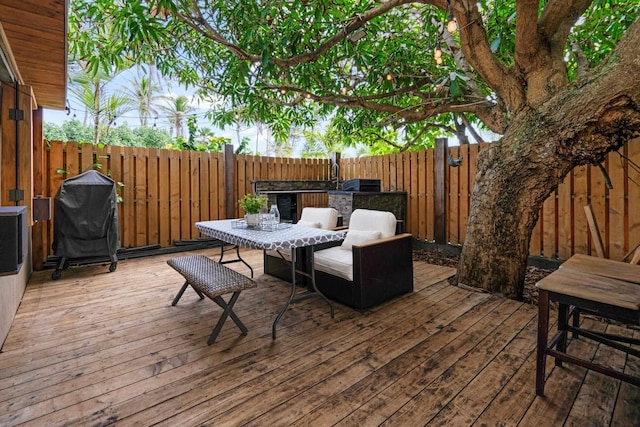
16 157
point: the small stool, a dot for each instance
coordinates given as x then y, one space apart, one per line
212 279
606 297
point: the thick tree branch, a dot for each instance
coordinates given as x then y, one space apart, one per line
527 39
581 60
556 20
355 23
471 128
475 45
591 129
540 45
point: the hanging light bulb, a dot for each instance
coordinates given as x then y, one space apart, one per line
307 95
67 108
343 90
452 26
283 91
437 53
389 76
439 60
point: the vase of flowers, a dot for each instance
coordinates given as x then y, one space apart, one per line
252 204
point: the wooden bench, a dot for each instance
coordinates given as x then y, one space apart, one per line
587 289
212 279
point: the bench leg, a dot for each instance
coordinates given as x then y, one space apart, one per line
184 287
543 331
228 312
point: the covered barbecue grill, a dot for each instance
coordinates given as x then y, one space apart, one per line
85 220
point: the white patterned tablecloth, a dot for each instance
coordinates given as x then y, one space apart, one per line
296 236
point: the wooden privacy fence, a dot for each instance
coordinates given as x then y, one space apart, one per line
165 192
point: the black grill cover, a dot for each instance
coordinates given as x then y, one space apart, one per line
86 217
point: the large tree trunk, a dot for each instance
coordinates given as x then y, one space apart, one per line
580 125
515 176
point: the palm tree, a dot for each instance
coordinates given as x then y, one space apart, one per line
143 96
176 112
91 91
204 134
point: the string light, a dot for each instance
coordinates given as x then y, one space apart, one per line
452 26
283 91
437 53
67 108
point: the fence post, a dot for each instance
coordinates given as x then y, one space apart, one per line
440 191
229 182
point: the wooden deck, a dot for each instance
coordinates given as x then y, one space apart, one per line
96 348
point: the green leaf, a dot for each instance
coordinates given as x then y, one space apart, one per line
454 89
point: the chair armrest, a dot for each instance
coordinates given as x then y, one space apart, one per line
340 228
383 241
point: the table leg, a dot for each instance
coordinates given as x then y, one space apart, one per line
543 332
238 259
563 317
293 293
313 281
316 292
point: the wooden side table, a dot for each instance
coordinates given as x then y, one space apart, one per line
573 288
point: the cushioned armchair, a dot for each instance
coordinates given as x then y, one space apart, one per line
275 265
371 266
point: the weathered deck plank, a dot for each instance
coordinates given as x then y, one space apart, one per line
95 348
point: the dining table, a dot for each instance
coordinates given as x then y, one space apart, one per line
278 237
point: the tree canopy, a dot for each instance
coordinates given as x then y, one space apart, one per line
555 78
369 62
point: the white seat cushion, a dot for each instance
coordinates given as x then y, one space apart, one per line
335 261
358 237
312 217
364 226
369 220
326 217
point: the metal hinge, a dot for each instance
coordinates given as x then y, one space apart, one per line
16 195
15 114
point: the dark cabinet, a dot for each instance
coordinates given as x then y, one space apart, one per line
13 235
